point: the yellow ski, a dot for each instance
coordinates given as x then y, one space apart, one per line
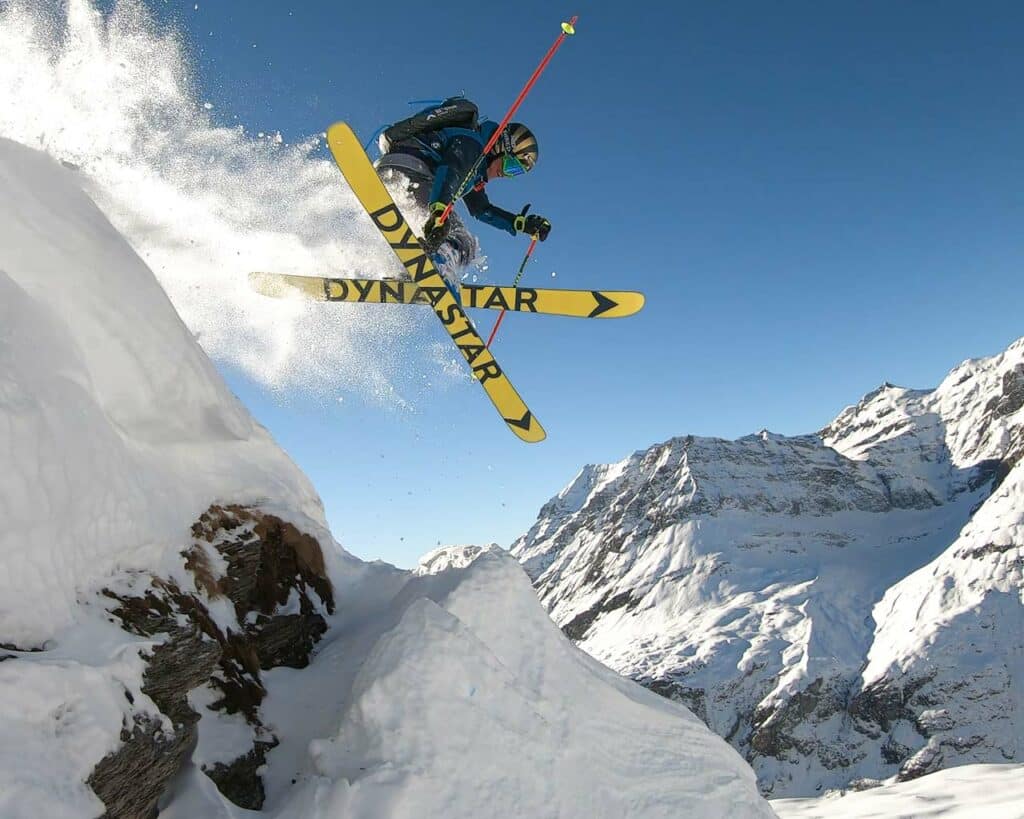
370 191
547 301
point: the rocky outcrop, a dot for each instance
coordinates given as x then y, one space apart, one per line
256 601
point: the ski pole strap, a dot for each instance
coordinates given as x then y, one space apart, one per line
567 29
515 283
373 139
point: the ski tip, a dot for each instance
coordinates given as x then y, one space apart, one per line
616 303
628 303
339 131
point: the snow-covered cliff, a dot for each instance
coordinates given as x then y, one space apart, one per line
839 606
179 631
107 404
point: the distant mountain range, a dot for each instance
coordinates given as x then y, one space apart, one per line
841 607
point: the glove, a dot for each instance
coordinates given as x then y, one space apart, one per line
434 230
534 225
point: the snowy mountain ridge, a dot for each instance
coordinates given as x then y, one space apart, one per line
839 606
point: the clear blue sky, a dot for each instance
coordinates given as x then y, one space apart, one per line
815 197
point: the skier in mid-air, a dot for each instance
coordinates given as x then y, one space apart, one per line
433 152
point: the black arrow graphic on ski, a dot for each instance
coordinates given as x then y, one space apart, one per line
522 423
604 304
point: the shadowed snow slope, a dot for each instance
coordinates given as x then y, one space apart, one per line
838 606
444 693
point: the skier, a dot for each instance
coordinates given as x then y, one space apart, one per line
432 153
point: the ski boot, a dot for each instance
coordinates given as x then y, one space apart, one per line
446 262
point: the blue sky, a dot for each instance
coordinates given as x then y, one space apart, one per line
815 197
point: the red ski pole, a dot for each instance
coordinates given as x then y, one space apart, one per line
567 30
515 283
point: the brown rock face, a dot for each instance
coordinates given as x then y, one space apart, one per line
270 565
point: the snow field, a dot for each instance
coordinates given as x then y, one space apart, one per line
967 792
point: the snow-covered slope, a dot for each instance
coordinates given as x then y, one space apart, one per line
450 557
165 573
115 429
965 792
474 704
838 606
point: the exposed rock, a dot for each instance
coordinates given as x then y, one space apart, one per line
30 649
693 698
239 780
275 580
262 579
577 628
779 730
881 704
987 549
936 756
1012 398
131 780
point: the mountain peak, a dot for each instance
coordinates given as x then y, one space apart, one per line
743 578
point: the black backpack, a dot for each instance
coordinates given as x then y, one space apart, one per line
454 112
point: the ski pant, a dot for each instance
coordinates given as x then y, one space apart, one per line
403 170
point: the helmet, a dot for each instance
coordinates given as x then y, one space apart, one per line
520 142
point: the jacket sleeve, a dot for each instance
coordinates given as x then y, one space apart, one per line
457 160
480 207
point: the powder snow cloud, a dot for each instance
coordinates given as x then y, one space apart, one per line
113 95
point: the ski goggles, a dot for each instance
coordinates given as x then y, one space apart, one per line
511 166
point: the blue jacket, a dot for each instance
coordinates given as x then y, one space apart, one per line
450 154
